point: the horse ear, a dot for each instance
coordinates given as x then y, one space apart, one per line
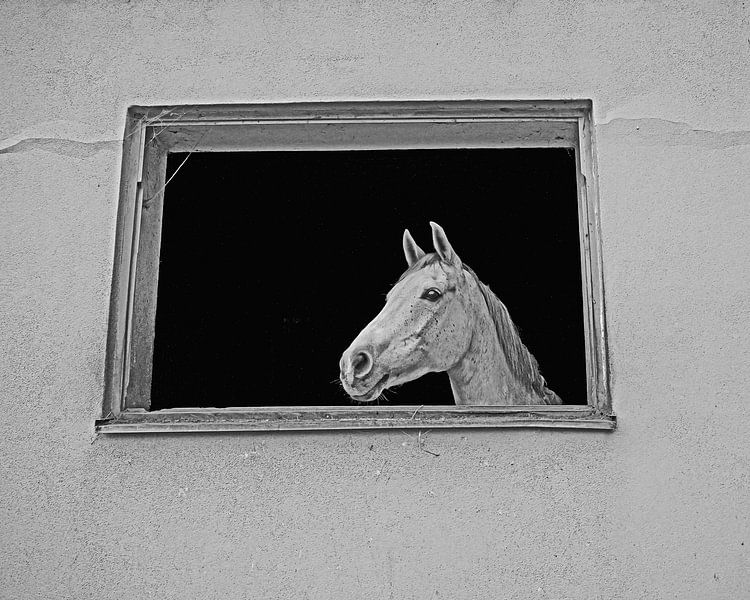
443 246
412 252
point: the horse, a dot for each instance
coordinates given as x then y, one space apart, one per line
440 317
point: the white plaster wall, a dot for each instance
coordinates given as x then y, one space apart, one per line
659 509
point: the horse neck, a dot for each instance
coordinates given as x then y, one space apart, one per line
483 375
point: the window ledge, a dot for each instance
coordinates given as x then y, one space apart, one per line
297 418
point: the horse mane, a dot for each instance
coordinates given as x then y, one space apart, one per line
520 361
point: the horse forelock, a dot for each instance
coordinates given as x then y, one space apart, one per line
520 361
427 260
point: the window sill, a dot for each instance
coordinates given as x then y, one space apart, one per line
300 418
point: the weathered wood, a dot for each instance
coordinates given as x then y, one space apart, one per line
586 282
364 110
332 418
130 178
410 410
146 275
597 350
393 135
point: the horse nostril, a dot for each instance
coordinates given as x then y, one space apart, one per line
361 364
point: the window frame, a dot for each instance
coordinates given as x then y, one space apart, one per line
151 132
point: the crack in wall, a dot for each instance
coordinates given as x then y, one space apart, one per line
662 132
648 131
65 147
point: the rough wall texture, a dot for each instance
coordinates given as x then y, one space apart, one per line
659 509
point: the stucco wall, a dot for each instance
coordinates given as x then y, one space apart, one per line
659 509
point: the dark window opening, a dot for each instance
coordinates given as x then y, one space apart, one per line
272 262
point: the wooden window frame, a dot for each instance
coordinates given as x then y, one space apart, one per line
154 131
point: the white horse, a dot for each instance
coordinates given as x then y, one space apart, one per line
440 317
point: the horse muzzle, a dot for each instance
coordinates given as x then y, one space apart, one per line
359 376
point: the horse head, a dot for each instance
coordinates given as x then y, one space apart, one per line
425 325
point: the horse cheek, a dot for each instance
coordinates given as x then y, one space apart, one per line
447 339
396 338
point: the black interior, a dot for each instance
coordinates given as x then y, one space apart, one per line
272 262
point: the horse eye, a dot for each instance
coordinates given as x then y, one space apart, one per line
432 294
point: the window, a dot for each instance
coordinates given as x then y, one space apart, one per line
270 235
